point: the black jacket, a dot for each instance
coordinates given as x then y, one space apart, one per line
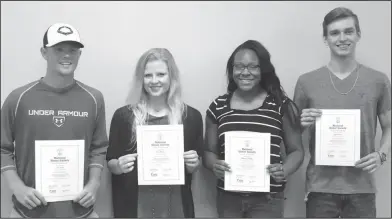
125 186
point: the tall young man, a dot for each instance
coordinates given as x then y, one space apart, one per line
336 191
55 107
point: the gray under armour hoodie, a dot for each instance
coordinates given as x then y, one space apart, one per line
37 111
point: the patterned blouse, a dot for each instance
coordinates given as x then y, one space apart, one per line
265 119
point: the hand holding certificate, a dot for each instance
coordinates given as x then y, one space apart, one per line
160 150
338 134
248 154
59 169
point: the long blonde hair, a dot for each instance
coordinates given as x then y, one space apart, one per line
137 96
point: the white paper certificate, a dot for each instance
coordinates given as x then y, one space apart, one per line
338 137
248 154
160 159
59 169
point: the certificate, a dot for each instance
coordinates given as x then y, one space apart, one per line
160 155
59 169
248 154
338 137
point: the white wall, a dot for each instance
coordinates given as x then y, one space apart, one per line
201 36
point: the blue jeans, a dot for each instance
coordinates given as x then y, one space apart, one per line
341 205
254 205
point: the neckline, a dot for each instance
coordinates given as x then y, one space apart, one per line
336 78
55 89
156 117
230 95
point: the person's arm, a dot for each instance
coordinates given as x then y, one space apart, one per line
301 100
114 144
372 161
27 196
211 144
7 135
97 154
292 137
113 152
99 144
385 123
384 116
192 157
119 162
292 140
211 148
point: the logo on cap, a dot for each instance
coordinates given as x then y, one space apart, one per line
65 30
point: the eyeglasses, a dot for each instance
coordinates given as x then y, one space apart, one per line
241 68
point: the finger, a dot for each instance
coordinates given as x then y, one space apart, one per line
30 202
279 179
191 165
130 164
306 123
270 166
319 111
278 174
275 168
129 159
222 168
131 155
128 169
89 203
314 114
80 196
27 205
307 119
125 167
190 156
312 110
34 199
40 197
374 169
363 159
124 162
85 199
370 167
223 163
192 160
219 172
189 152
365 164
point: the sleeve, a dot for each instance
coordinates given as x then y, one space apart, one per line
7 133
212 112
300 98
99 141
198 126
115 137
384 101
291 113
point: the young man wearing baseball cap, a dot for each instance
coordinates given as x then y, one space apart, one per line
55 107
344 83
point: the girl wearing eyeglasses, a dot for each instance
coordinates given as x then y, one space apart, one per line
254 102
